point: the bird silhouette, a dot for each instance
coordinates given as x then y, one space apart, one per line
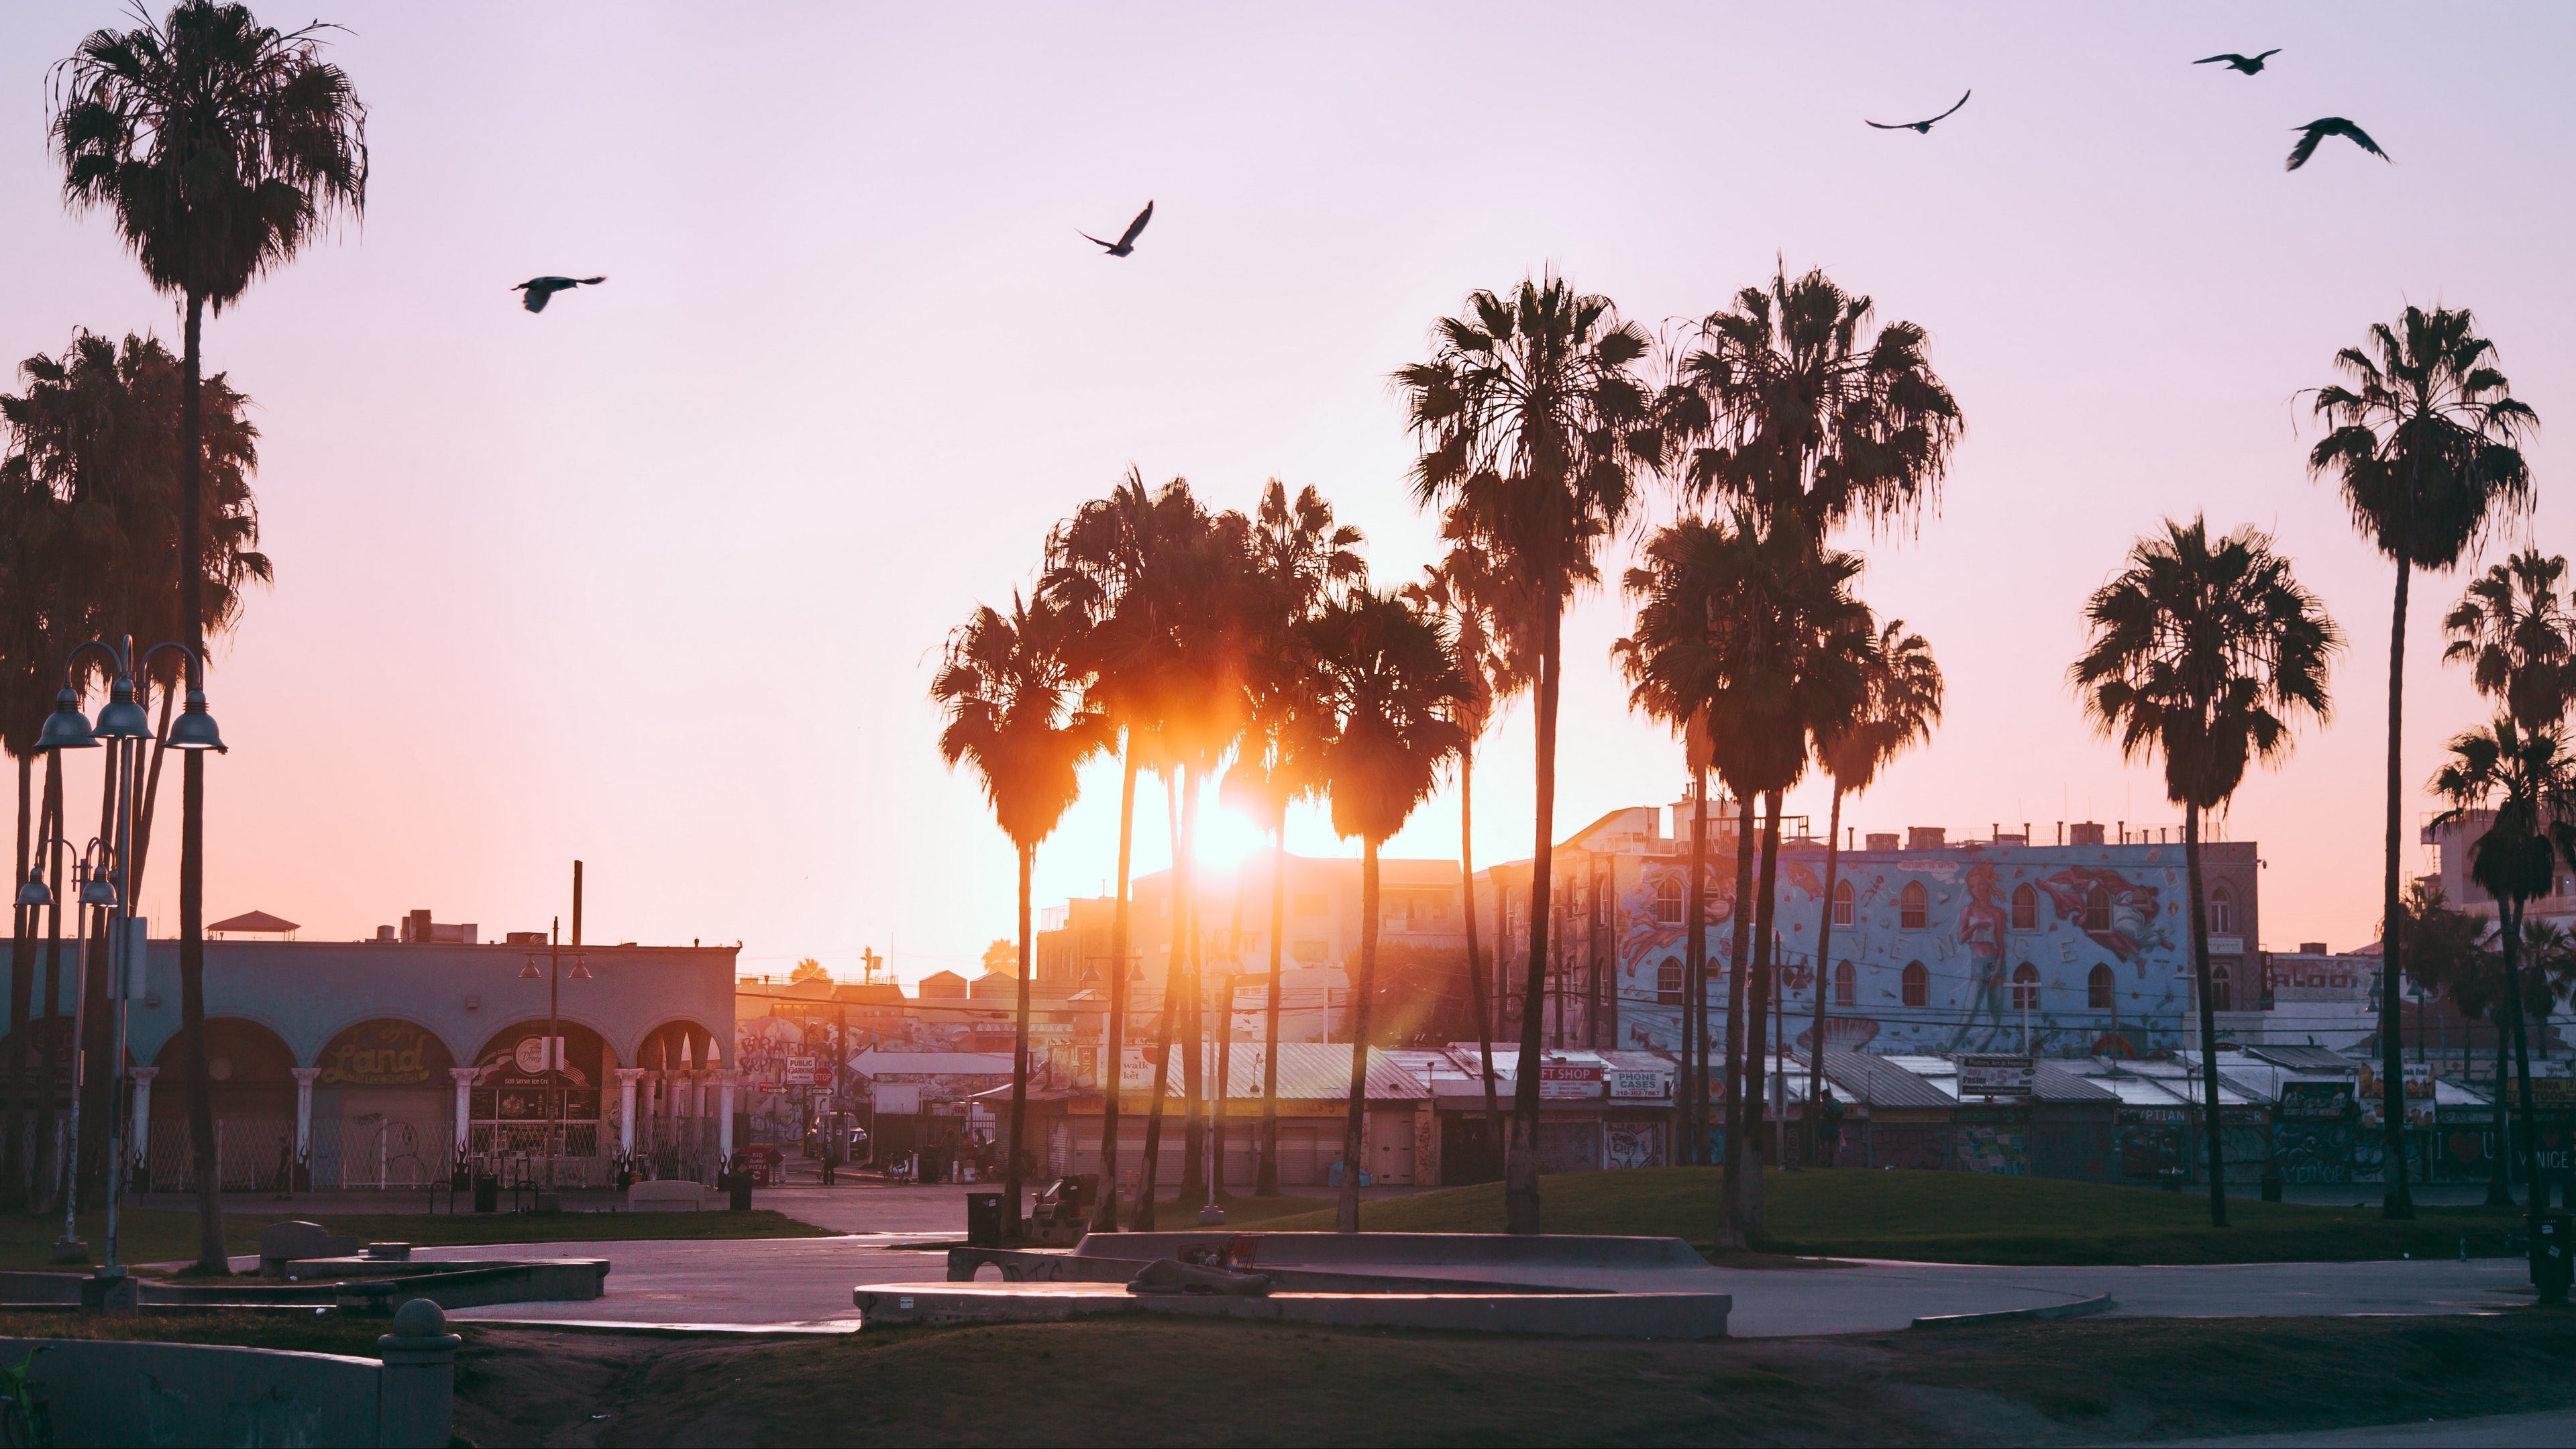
1922 128
2242 64
1126 243
2324 126
537 291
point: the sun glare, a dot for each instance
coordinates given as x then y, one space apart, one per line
1226 839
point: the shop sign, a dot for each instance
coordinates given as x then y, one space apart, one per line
1564 1080
800 1071
384 1054
1631 1084
1995 1076
2316 1101
2553 1091
2419 1094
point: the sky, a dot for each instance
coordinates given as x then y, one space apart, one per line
656 579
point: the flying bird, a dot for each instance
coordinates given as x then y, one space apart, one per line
1126 243
2317 130
2242 64
1922 128
541 290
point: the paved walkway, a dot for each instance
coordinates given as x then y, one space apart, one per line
2550 1427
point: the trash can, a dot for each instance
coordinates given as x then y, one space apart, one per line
738 1191
984 1219
487 1193
2551 1262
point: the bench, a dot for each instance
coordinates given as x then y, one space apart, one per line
283 1243
669 1196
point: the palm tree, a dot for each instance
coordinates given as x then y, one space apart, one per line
1017 717
1904 704
1532 420
2205 651
2424 443
2521 785
1386 690
1467 593
2513 629
1757 636
1101 567
222 146
1301 561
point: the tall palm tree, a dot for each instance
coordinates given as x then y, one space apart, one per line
2205 651
1904 704
1387 690
2514 631
222 146
1531 416
1016 716
2424 442
1101 567
1301 561
1470 596
1757 634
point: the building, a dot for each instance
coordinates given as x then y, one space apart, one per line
383 1063
1980 945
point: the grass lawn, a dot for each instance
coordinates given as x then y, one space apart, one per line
352 1334
1948 1217
1144 1381
161 1237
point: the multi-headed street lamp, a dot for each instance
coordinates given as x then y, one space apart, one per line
554 1052
106 875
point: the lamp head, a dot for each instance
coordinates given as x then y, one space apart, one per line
194 729
580 968
122 718
66 728
97 890
33 893
530 972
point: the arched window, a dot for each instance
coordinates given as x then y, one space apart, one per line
2097 909
2025 915
1918 984
2025 987
1668 902
1846 990
1668 981
2222 991
1912 907
1842 903
2098 988
2222 911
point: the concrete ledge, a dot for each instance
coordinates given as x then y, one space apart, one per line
1043 1265
2080 1308
1582 1315
459 1285
1285 1250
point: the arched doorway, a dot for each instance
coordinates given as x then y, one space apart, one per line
251 1079
384 1107
676 1131
520 1107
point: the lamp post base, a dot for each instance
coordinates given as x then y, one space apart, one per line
70 1250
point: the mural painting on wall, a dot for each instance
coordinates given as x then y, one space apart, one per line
511 1083
1982 921
2314 1152
763 1047
384 1054
1636 1144
2002 1148
1913 1145
2153 1142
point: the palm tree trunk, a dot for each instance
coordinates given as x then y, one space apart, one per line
1693 1094
1758 987
1346 1209
192 827
2395 1200
1019 1062
1520 1163
1730 1234
1113 1051
151 791
1824 978
2522 1075
22 987
1265 1182
2499 1167
2208 1016
1475 962
1194 1016
1150 1171
49 823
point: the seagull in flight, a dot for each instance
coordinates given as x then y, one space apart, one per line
1126 243
2242 64
540 290
2317 130
1921 128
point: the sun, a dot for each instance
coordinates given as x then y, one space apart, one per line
1226 837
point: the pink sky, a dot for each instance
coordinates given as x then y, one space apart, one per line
656 578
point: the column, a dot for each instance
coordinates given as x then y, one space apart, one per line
724 1116
626 1079
304 1112
142 1078
463 1077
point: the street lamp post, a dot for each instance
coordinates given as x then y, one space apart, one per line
554 1052
106 876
